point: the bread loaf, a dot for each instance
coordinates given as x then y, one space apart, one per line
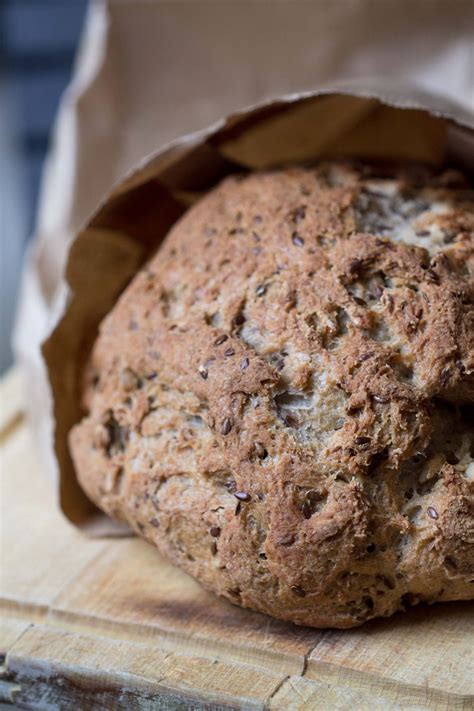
282 399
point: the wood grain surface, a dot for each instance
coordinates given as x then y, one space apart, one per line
109 624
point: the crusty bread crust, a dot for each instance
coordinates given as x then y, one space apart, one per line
281 401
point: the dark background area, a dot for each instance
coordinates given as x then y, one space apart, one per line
38 41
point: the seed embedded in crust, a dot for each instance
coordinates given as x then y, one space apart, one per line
117 435
221 339
298 590
307 509
239 319
286 540
432 513
445 376
244 364
386 581
260 290
203 372
242 496
299 214
260 450
297 239
229 352
460 366
226 426
154 522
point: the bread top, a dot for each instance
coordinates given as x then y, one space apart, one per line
295 366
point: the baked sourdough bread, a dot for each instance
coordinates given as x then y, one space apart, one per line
281 400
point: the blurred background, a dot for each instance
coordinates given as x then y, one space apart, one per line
38 40
204 59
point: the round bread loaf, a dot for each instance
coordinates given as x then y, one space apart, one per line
281 400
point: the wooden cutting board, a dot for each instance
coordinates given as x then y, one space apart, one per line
108 624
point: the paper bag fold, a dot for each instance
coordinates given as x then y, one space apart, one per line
131 222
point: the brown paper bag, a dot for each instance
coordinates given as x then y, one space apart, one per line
102 252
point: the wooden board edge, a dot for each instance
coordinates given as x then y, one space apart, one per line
390 689
171 641
66 670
